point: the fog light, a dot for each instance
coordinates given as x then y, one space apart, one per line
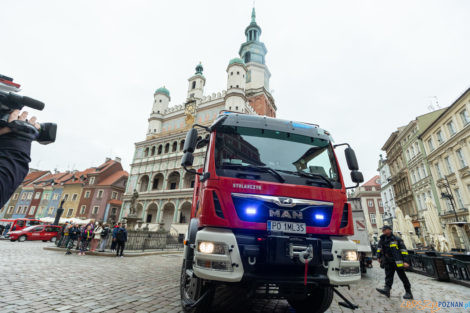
349 255
206 247
346 271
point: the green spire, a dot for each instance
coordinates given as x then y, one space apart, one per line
253 15
199 69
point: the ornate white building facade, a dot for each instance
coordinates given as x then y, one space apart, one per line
386 191
165 189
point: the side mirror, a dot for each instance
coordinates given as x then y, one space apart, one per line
187 159
351 159
357 177
190 141
202 143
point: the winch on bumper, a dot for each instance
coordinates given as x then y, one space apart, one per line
222 255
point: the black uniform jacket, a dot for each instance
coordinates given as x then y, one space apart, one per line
392 249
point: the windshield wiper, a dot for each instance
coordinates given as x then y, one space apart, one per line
258 168
312 175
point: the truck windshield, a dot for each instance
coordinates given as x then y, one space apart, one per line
278 156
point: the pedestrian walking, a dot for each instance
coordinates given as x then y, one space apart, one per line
114 243
96 239
66 234
121 238
104 237
7 229
74 233
393 257
85 238
62 235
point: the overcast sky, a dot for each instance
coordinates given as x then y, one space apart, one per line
359 69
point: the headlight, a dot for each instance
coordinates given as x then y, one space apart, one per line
208 247
349 255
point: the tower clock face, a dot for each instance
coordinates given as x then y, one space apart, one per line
190 109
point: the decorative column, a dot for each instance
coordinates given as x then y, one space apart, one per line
177 210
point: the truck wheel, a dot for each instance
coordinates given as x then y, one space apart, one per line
191 290
22 238
318 301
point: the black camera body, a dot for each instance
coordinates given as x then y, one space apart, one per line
9 102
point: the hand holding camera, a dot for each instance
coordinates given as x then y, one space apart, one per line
16 116
12 121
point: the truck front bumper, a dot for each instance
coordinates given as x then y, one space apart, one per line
266 259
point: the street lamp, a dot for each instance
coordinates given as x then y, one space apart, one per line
447 194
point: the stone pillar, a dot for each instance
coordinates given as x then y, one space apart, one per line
180 183
177 210
159 211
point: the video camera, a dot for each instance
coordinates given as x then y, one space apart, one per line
9 102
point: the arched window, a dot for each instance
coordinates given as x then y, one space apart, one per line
167 148
175 146
146 152
160 148
193 85
152 151
181 145
144 183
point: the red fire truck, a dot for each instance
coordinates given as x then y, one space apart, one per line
269 214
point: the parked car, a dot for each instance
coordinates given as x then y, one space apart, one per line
38 232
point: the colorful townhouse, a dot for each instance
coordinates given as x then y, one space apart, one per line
50 199
101 196
34 204
24 195
72 191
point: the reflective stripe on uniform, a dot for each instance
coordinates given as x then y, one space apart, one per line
404 252
378 250
393 245
399 264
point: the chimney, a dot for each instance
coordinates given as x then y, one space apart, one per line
117 159
107 160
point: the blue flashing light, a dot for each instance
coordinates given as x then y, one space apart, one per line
251 211
319 217
299 125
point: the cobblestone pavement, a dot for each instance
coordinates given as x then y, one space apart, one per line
33 279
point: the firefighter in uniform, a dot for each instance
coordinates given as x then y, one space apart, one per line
393 256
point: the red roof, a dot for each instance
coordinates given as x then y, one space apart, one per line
372 182
47 180
108 181
33 176
103 167
77 177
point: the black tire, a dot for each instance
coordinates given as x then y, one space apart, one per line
317 301
22 238
191 289
12 240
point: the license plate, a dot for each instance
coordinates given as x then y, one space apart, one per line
287 227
